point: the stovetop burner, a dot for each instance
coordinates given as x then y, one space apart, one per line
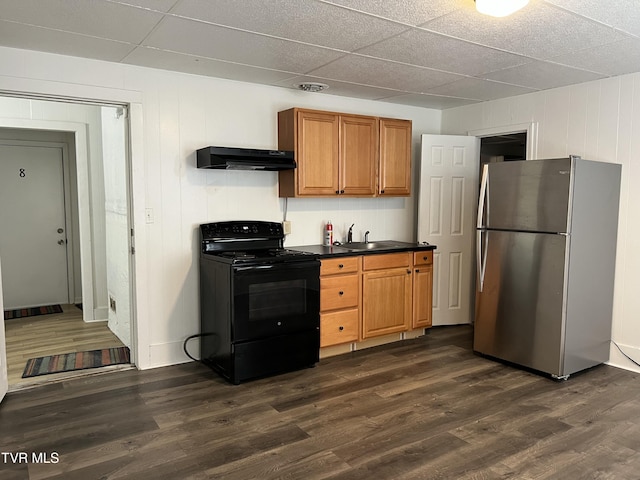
248 242
265 256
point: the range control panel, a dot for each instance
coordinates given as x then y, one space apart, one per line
241 230
240 235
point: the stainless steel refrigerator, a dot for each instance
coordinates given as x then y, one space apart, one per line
546 247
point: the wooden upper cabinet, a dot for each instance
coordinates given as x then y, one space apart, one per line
314 138
342 154
358 155
395 157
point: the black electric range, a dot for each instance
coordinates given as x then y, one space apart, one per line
260 302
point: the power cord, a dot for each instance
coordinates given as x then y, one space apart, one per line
184 345
631 359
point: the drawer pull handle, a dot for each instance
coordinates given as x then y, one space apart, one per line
340 293
417 270
425 258
340 265
340 328
408 271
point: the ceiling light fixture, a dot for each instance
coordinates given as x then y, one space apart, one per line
499 8
312 87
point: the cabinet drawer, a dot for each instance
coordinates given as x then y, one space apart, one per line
335 266
339 292
338 327
387 260
424 257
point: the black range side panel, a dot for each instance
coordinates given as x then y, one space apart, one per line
215 326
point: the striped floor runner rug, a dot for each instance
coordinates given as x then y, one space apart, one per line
31 312
68 362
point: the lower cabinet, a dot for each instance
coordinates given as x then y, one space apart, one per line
368 296
422 289
386 294
339 300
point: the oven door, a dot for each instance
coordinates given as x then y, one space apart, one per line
275 299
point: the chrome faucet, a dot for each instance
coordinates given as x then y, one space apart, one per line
366 236
350 234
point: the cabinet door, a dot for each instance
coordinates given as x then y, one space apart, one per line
386 301
422 296
358 155
395 157
317 153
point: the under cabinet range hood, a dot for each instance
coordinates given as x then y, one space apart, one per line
231 158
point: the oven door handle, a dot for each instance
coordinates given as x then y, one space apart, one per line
278 266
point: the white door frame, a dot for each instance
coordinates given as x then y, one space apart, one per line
531 129
4 379
61 91
67 203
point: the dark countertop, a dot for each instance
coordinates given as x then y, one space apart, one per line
343 250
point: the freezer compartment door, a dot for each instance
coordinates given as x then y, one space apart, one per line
519 312
528 195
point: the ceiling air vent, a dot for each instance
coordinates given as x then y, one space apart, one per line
312 86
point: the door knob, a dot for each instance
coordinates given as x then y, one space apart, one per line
60 242
60 230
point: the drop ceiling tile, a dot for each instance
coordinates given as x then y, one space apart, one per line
383 73
28 37
161 59
157 5
310 21
477 89
89 17
542 75
613 59
411 12
220 43
539 30
429 101
343 89
427 49
621 14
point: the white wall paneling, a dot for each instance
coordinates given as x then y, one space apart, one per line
171 116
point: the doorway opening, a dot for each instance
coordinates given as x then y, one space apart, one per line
503 148
99 312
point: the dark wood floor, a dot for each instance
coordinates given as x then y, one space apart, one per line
421 409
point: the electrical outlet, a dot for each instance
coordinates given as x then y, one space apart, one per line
112 303
148 214
286 227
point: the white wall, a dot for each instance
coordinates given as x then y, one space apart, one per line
181 113
599 121
114 160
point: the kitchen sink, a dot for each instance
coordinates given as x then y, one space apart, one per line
368 245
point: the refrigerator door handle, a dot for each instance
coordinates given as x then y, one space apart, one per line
481 258
484 191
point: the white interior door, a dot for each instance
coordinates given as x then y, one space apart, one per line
4 379
446 217
33 239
